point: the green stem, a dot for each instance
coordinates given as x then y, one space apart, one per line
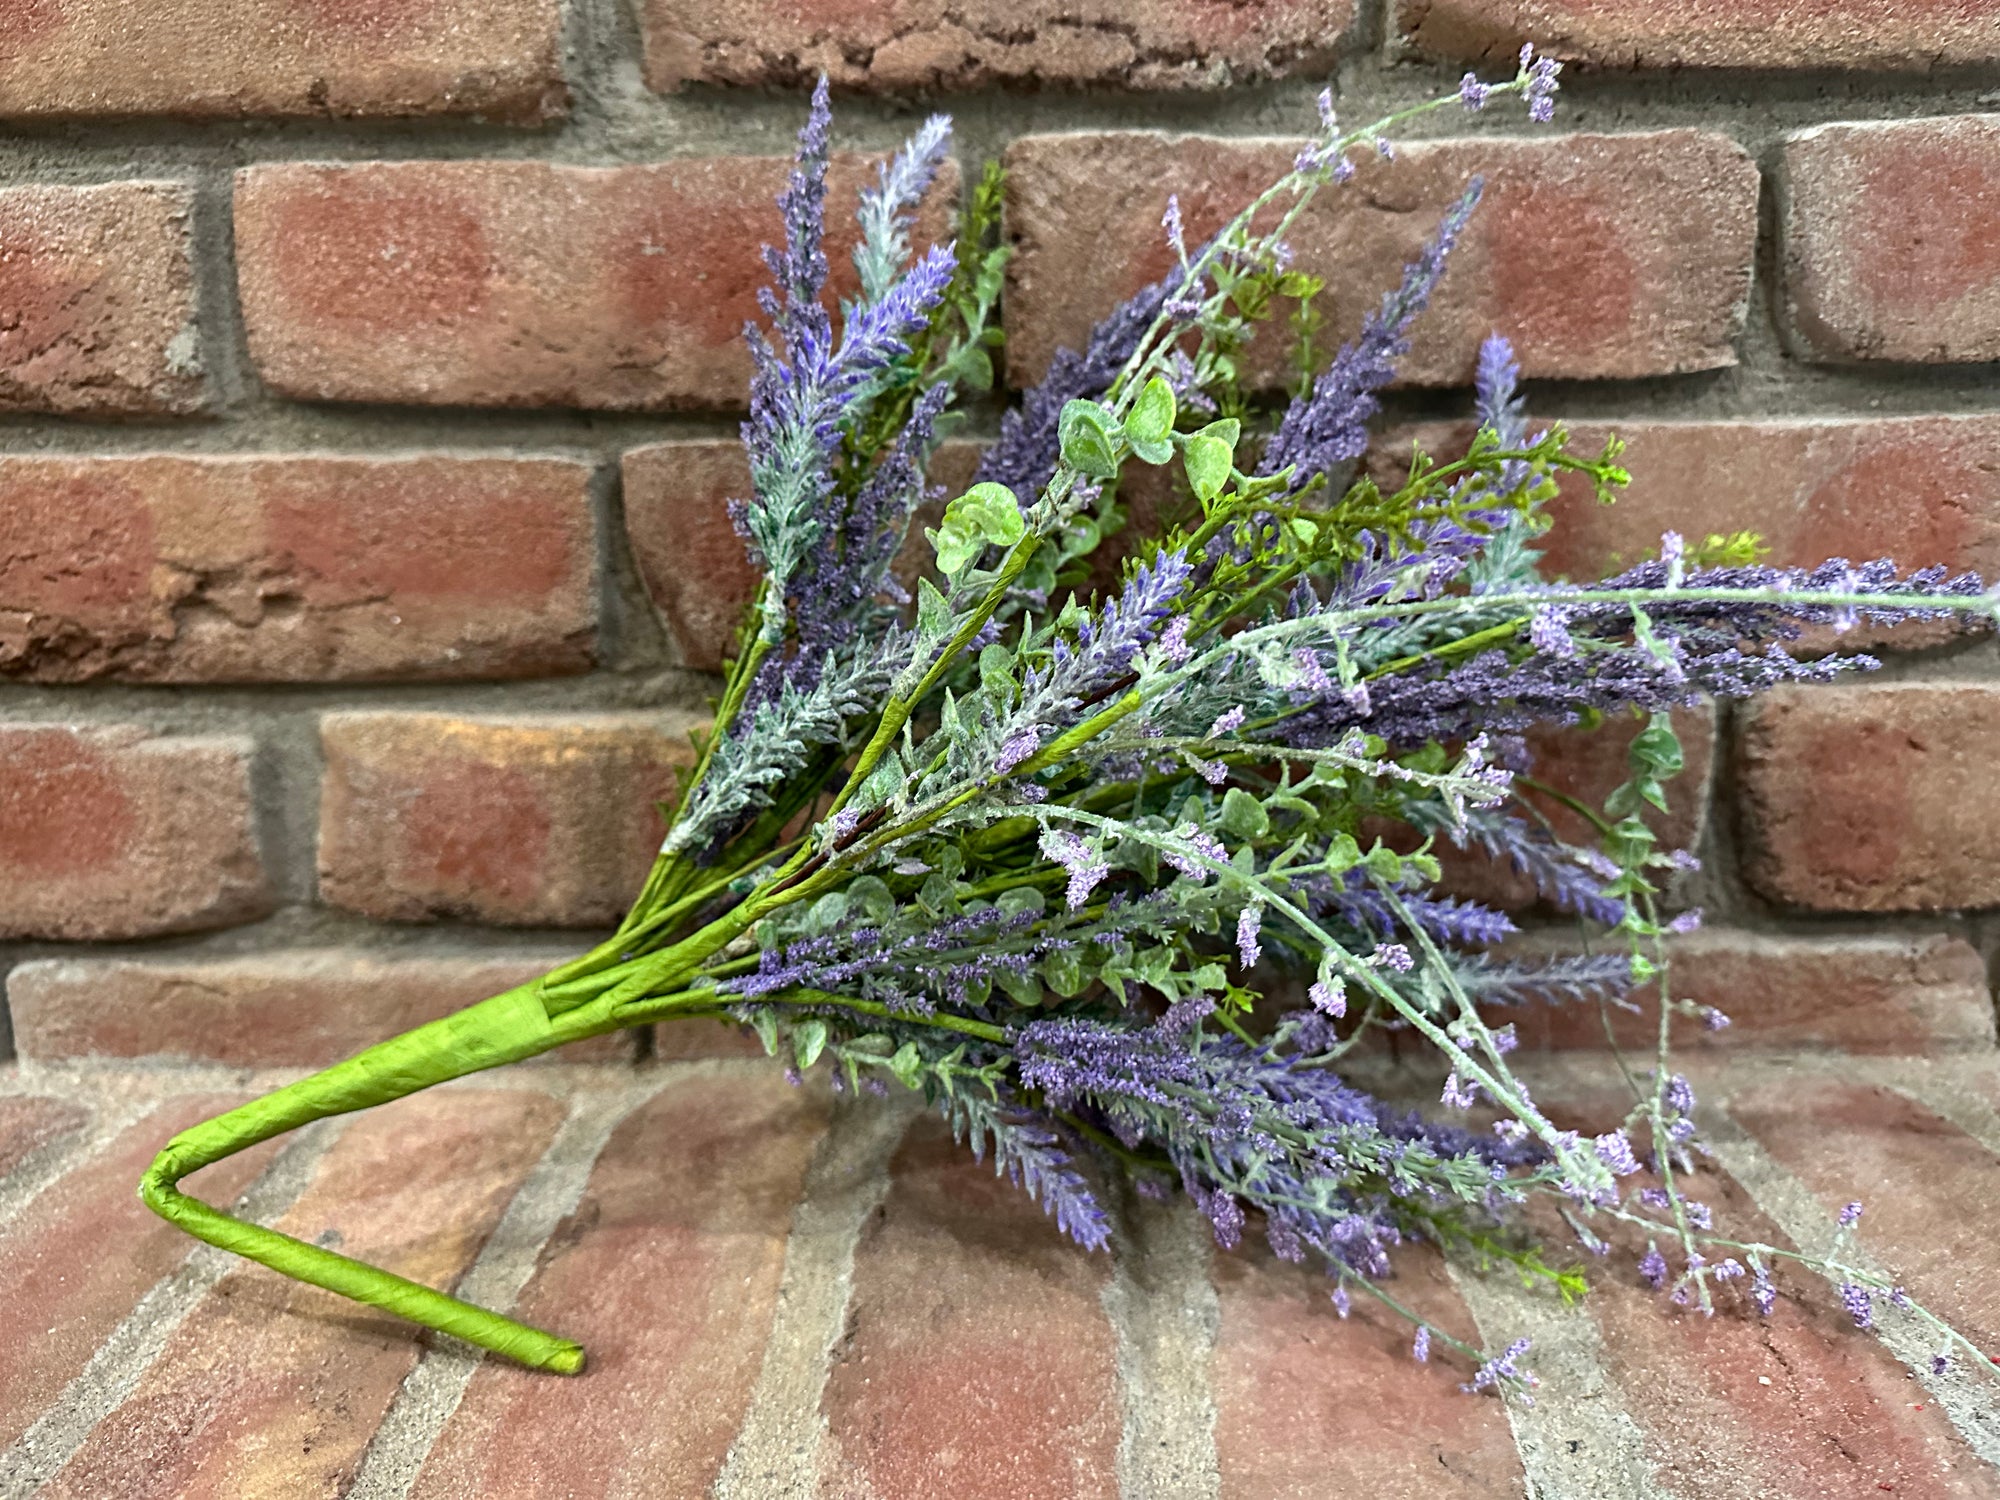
504 1029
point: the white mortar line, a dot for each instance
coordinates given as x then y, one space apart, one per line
776 1452
432 1391
1579 1440
122 1360
1164 1312
1972 1402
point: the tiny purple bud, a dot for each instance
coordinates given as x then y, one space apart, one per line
1850 1215
1420 1347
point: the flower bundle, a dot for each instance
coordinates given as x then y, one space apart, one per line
1031 852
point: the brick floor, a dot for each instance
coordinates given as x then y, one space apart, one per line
785 1294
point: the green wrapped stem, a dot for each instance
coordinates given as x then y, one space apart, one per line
504 1029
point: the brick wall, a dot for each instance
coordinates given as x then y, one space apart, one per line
370 374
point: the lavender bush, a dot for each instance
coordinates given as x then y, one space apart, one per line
1034 854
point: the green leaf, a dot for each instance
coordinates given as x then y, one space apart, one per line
1149 429
907 1065
1022 898
1089 439
871 894
1656 750
808 1041
1063 969
1209 456
985 514
1243 815
766 1026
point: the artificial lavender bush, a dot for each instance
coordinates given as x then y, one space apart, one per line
1033 853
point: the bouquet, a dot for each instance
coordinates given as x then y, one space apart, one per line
1044 854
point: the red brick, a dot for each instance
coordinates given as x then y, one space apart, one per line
518 283
1887 228
109 832
1657 233
1930 1191
891 45
270 1387
1853 993
184 569
1873 35
230 59
691 1040
1735 1407
1922 489
1871 798
1301 1395
979 1363
28 1122
306 1008
667 1273
536 821
98 286
59 1275
677 498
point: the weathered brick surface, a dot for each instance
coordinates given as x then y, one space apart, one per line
98 288
1301 1395
692 561
1737 1407
928 45
1921 489
301 1009
667 1273
232 58
271 1387
28 1123
1887 35
546 820
1929 1190
1871 798
1657 233
181 569
59 1273
1888 244
967 1300
1854 993
518 283
109 832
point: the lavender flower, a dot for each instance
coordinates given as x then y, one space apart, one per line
1858 1304
1329 428
1085 868
1503 1368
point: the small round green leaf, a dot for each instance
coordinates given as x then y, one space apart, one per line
1089 439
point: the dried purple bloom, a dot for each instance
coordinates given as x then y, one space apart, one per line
1858 1304
1328 996
1653 1267
1420 1346
1616 1153
1248 923
1023 743
1226 723
1680 1095
1506 1367
1472 93
1085 867
1341 1304
1173 640
1762 1292
1171 222
1850 1215
1548 634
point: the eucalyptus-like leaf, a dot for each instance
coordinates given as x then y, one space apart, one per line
1089 436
